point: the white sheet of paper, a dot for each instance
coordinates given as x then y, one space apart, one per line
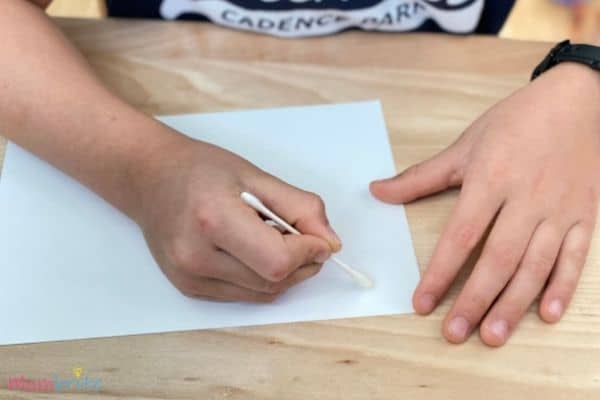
73 267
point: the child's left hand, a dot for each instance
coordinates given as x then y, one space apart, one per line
532 160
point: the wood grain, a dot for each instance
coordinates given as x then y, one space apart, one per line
431 87
79 8
540 20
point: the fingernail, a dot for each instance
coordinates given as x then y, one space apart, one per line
336 242
555 308
426 303
458 328
384 179
322 256
499 329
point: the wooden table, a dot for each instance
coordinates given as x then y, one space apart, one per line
431 87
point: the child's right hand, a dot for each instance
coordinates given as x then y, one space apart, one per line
184 194
209 243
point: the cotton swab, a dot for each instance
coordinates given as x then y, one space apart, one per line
258 205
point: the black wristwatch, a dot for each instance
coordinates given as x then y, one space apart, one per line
565 51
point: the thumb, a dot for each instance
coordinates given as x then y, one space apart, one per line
302 209
427 177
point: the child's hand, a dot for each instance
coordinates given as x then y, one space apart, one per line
533 160
210 244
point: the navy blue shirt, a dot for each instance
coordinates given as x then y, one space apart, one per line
297 18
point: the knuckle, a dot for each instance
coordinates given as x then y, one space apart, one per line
567 283
206 221
272 287
314 203
591 197
412 173
475 304
188 260
180 254
465 237
315 270
570 277
187 291
455 177
316 250
576 251
309 271
508 308
200 268
540 265
577 255
498 171
278 266
589 214
496 175
502 256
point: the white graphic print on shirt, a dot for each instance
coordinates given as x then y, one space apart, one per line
292 18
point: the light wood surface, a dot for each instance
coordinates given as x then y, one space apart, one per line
539 20
431 87
79 8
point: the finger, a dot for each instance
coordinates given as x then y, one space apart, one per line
436 174
215 289
467 224
301 274
304 210
273 256
566 274
526 284
306 249
224 267
501 255
227 268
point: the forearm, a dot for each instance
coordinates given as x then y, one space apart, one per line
53 105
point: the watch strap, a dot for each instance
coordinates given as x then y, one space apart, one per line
565 51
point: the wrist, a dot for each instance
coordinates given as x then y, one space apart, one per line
571 77
577 71
144 167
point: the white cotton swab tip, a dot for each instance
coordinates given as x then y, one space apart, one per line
358 276
251 200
